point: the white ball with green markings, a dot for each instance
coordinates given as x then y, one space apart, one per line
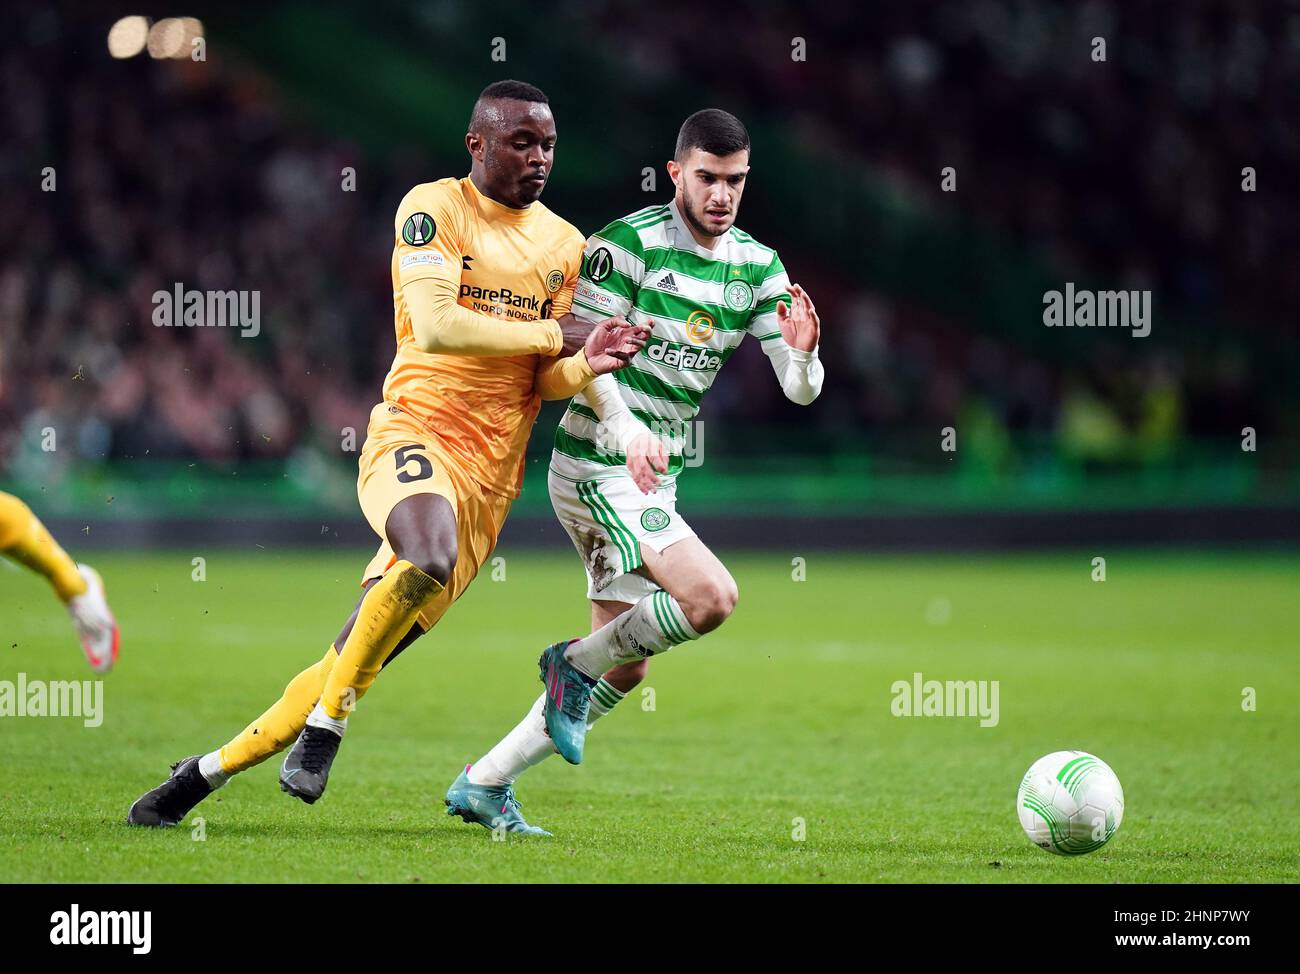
1070 802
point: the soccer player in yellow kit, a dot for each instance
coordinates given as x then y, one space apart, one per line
25 539
483 279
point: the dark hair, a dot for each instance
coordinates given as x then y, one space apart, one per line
520 90
713 130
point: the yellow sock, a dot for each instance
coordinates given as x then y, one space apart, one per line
24 538
283 721
387 613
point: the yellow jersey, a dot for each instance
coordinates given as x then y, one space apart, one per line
512 265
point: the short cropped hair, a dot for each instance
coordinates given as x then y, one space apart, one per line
713 130
520 90
516 90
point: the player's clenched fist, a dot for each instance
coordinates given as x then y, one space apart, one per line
613 342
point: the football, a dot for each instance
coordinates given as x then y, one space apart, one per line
1070 802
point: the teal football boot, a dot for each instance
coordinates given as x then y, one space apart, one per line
488 805
568 700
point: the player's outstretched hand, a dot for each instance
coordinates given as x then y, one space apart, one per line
613 343
646 459
800 326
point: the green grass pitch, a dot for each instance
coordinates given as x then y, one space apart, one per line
783 716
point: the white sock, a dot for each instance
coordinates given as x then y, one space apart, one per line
526 745
318 718
210 768
529 744
652 626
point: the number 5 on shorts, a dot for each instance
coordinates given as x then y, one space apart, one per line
404 456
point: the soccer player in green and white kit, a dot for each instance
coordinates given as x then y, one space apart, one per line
653 584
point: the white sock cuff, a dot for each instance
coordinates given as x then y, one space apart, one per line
318 718
604 698
213 773
605 695
671 618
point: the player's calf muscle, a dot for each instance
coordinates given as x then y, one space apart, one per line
628 675
415 632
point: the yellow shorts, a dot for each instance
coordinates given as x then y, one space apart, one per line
402 458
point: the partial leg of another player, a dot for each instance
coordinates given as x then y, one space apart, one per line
422 531
697 595
484 791
25 539
194 778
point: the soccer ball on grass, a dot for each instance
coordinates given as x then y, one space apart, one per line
1070 802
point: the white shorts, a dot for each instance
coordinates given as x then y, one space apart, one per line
608 520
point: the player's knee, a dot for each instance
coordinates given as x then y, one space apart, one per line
422 530
437 561
711 606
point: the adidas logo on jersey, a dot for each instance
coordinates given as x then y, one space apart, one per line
666 283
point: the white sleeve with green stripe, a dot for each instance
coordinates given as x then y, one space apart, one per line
620 429
619 276
800 373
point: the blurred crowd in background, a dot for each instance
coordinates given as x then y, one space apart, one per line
200 173
181 172
1131 172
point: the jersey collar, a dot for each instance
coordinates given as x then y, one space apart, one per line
491 210
686 240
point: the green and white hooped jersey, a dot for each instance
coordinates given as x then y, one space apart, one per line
703 302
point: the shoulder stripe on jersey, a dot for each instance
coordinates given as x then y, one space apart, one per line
635 265
648 217
645 211
743 237
621 237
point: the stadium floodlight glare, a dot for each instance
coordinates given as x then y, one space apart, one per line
166 38
127 37
172 37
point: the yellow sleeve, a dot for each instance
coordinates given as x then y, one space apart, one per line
428 230
562 378
571 252
443 326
